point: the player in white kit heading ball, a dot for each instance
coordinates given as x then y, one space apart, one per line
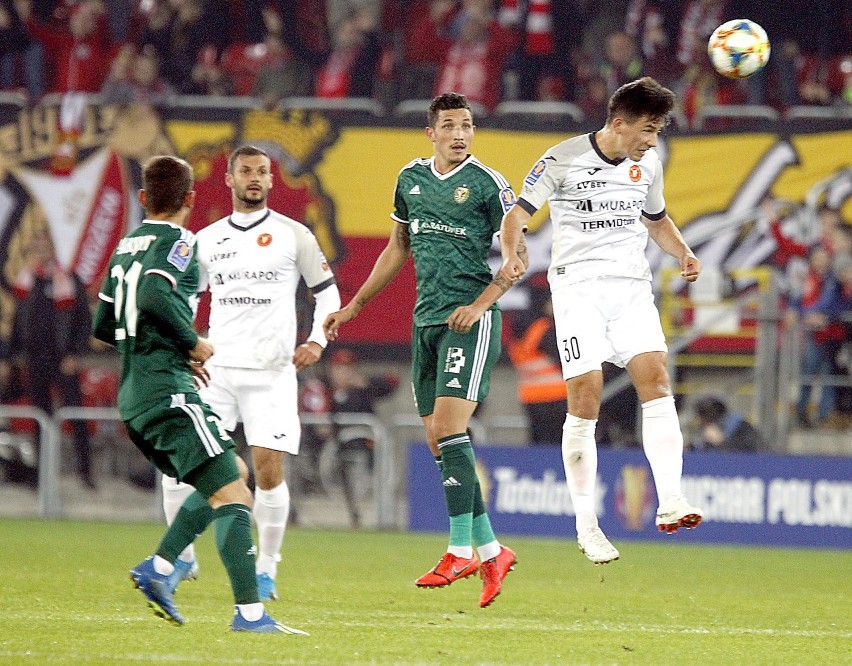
605 191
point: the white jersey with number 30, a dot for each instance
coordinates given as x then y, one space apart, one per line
595 208
252 264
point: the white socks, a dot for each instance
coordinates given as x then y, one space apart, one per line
488 550
461 551
251 612
580 458
174 495
663 444
271 509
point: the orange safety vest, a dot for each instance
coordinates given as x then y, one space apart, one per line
539 376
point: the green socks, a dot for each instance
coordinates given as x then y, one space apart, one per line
458 475
233 539
237 550
191 520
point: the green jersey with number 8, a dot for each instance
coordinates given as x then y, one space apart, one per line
147 305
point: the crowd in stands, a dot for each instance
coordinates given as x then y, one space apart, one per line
491 50
817 269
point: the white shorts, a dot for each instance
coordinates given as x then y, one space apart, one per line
266 401
605 319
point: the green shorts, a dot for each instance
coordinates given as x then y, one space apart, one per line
446 363
180 435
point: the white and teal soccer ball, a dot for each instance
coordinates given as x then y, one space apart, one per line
738 48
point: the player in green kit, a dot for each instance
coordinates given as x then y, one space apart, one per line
146 310
448 208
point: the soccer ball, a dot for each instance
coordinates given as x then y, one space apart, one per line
738 48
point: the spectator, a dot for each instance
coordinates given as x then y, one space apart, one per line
833 312
79 52
842 268
18 50
817 352
135 79
354 393
622 62
178 31
424 43
208 75
52 332
794 235
473 63
284 75
350 69
722 428
545 49
698 21
594 99
243 60
702 84
650 25
541 388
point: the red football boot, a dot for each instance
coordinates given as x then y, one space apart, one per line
449 569
493 572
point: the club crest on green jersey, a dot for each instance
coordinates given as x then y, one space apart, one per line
461 194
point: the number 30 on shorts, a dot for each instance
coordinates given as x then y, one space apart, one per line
571 349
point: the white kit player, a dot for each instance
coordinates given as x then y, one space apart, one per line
605 192
252 262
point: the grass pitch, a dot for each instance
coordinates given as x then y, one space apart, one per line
67 600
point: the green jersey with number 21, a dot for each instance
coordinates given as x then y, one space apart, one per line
146 309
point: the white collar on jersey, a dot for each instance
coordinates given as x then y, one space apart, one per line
248 219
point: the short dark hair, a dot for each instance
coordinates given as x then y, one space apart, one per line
248 151
447 102
642 97
166 180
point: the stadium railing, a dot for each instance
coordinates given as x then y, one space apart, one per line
13 99
387 469
548 110
736 114
49 500
818 113
790 372
334 105
420 107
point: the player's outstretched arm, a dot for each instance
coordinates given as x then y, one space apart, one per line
388 264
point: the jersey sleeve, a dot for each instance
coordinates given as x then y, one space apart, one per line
542 180
400 206
103 323
203 273
168 282
157 298
655 203
500 201
311 262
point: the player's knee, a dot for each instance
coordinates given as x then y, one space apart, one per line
236 492
268 476
244 470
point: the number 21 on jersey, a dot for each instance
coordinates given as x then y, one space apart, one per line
126 311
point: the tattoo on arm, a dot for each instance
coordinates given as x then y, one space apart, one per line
502 283
523 253
402 237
